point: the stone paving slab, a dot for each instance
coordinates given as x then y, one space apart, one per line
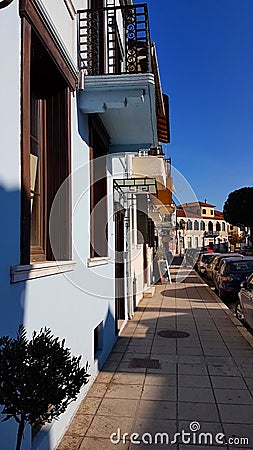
202 383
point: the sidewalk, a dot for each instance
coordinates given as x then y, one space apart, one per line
155 384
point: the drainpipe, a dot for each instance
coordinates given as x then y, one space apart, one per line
128 243
128 262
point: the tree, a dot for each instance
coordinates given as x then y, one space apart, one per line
238 208
38 378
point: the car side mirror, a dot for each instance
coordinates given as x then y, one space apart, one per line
243 284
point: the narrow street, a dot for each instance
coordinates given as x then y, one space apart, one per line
154 381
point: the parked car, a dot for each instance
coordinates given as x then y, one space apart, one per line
187 256
216 263
190 256
209 267
203 261
244 307
197 255
207 249
232 272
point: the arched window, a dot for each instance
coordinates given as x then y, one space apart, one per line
210 226
223 226
182 224
203 211
218 227
196 225
202 225
189 225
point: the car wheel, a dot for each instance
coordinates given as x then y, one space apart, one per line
239 312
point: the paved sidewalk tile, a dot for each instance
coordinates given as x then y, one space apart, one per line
154 384
233 396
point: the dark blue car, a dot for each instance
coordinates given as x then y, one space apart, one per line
232 272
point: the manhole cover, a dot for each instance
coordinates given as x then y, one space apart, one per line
173 334
144 363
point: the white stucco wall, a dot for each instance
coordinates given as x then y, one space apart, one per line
64 22
70 304
10 97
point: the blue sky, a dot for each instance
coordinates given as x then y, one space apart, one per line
205 52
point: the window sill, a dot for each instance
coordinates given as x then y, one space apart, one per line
38 270
98 261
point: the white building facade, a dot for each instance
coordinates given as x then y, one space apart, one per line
199 225
80 100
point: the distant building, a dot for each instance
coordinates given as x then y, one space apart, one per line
199 224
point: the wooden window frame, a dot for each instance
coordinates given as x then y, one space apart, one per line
33 21
97 131
39 250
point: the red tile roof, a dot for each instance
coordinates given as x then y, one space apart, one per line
198 203
183 212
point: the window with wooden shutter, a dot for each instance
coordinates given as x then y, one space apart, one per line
99 147
45 142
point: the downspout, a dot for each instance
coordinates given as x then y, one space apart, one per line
128 242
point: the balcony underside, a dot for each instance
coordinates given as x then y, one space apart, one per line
126 106
151 167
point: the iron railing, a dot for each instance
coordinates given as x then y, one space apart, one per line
211 233
114 40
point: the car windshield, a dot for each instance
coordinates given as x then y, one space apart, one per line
240 266
207 258
220 258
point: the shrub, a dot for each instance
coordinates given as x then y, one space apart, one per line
38 378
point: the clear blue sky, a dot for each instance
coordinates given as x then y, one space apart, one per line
205 52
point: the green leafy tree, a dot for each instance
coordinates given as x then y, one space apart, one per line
38 378
238 208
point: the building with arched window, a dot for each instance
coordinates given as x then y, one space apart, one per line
203 226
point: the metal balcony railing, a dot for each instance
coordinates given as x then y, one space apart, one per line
210 233
114 40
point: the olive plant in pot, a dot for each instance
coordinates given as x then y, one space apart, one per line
38 378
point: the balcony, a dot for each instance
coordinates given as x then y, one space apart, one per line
120 76
125 33
150 167
163 203
210 234
155 167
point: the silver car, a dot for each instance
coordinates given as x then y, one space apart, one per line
204 262
244 308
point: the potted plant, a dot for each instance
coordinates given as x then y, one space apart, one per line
38 378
